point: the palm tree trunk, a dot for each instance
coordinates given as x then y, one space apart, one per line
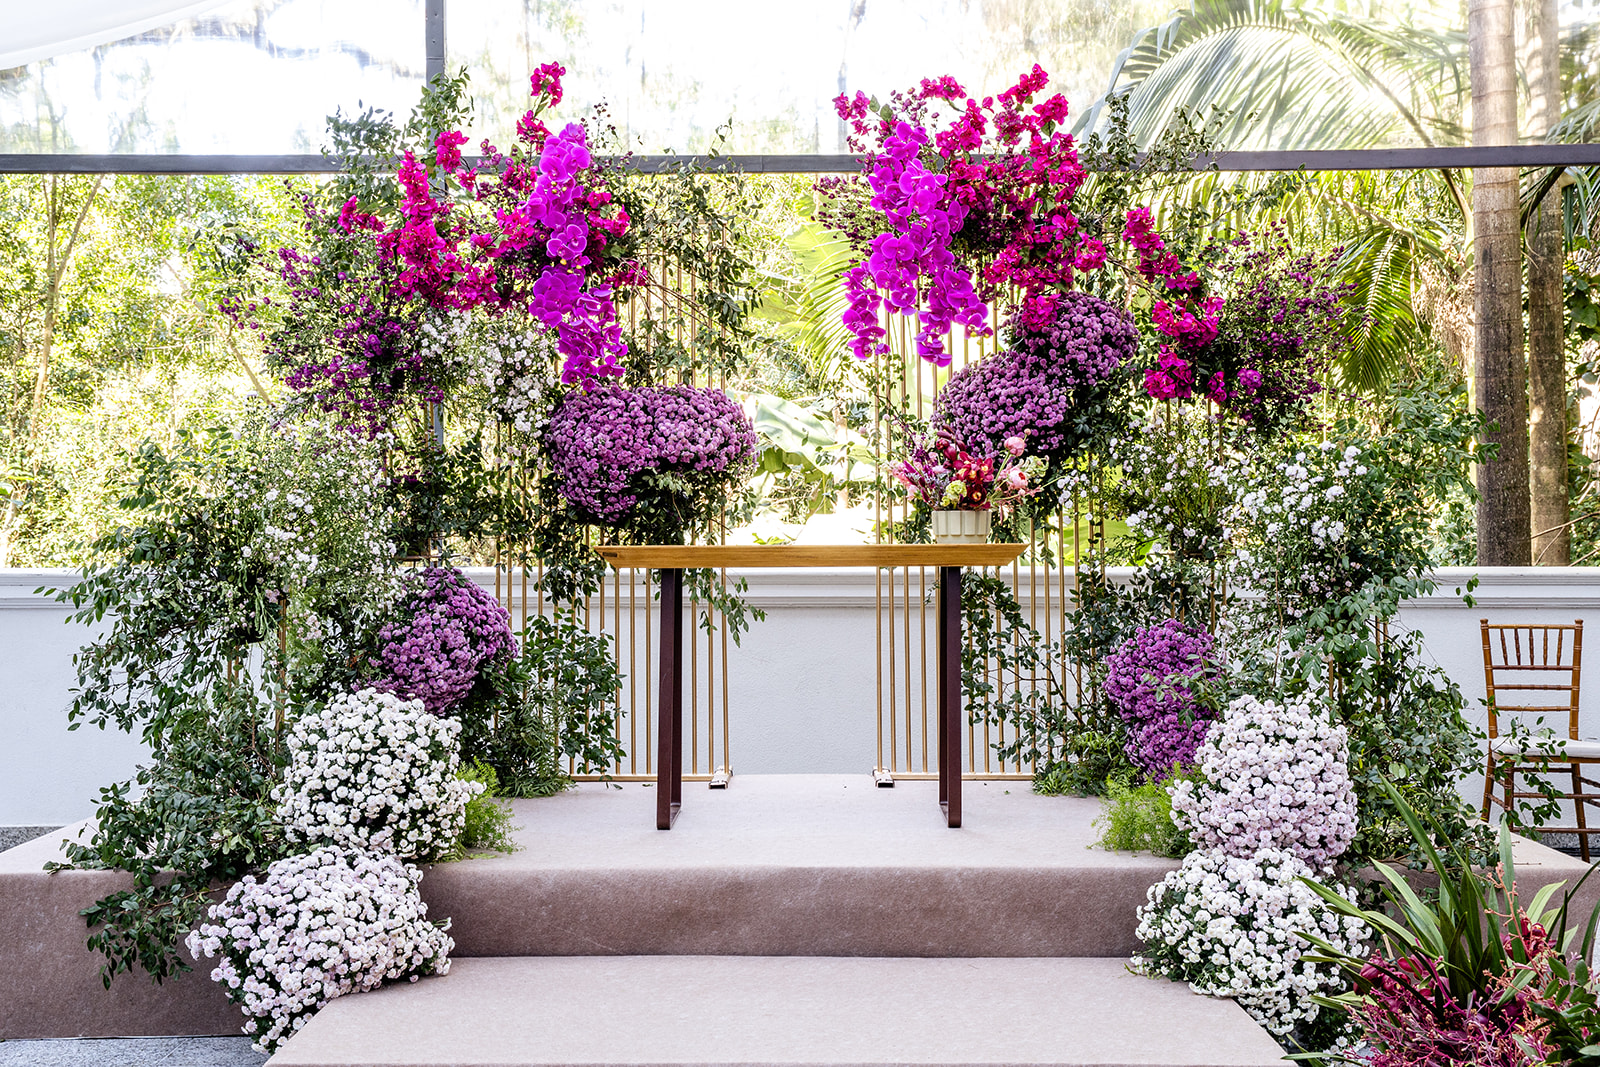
1500 372
1547 365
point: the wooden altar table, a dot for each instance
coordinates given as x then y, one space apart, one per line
673 560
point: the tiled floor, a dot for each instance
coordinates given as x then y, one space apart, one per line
132 1052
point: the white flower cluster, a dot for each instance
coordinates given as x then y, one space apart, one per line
321 499
1276 776
375 772
1177 486
1303 518
1305 497
317 927
515 359
1229 927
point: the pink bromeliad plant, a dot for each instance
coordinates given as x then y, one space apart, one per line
971 200
535 233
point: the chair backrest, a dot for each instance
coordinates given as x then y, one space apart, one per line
1537 666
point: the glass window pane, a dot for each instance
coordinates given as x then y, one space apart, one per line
672 71
251 77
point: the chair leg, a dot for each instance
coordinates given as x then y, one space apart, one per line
1488 786
1579 802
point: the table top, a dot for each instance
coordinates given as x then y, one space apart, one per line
681 556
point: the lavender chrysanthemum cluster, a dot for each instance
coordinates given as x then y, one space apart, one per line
601 442
313 928
1148 680
1276 776
452 629
1034 389
1232 926
374 772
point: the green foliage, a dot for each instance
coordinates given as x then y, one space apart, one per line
450 498
110 334
1138 818
555 703
488 824
1404 715
210 635
1028 698
1088 759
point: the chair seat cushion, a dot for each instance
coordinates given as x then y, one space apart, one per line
1545 747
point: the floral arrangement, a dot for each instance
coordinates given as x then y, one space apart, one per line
313 928
1261 356
1151 681
941 473
966 199
1231 926
373 772
612 451
534 233
449 633
1275 776
1067 349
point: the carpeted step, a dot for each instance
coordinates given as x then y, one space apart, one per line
596 1011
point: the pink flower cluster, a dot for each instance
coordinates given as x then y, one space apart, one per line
535 232
1149 681
910 266
452 629
1276 776
1189 321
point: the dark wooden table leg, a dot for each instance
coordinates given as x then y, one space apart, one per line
950 694
669 726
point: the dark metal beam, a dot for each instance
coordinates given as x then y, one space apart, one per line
1533 155
433 19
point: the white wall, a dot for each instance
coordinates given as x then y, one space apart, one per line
802 694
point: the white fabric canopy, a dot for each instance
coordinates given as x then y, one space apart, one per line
31 30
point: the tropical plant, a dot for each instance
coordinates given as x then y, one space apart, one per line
1469 972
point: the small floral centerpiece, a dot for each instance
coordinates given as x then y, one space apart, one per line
942 475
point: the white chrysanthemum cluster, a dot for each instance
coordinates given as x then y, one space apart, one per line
375 772
317 927
1276 776
1177 488
1228 926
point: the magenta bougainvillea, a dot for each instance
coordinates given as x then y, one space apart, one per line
609 447
1149 680
533 232
971 200
448 632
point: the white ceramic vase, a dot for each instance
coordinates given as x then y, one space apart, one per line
961 527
